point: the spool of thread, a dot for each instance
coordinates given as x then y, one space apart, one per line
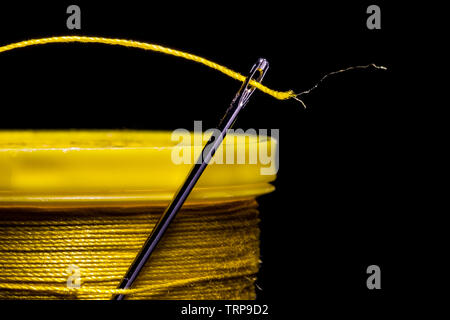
76 206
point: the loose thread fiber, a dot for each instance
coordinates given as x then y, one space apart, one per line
211 251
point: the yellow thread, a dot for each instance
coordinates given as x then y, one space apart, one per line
281 95
210 252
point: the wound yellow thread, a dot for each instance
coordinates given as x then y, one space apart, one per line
210 252
281 95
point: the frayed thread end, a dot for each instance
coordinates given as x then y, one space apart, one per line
296 96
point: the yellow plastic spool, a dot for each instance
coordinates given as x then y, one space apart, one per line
40 168
85 201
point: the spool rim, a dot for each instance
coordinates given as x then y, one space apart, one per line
110 167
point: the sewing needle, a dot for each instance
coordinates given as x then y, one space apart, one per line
242 97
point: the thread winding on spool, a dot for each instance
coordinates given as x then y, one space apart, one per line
210 252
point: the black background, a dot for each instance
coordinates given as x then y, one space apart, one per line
339 200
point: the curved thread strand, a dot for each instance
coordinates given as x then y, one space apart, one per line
280 95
